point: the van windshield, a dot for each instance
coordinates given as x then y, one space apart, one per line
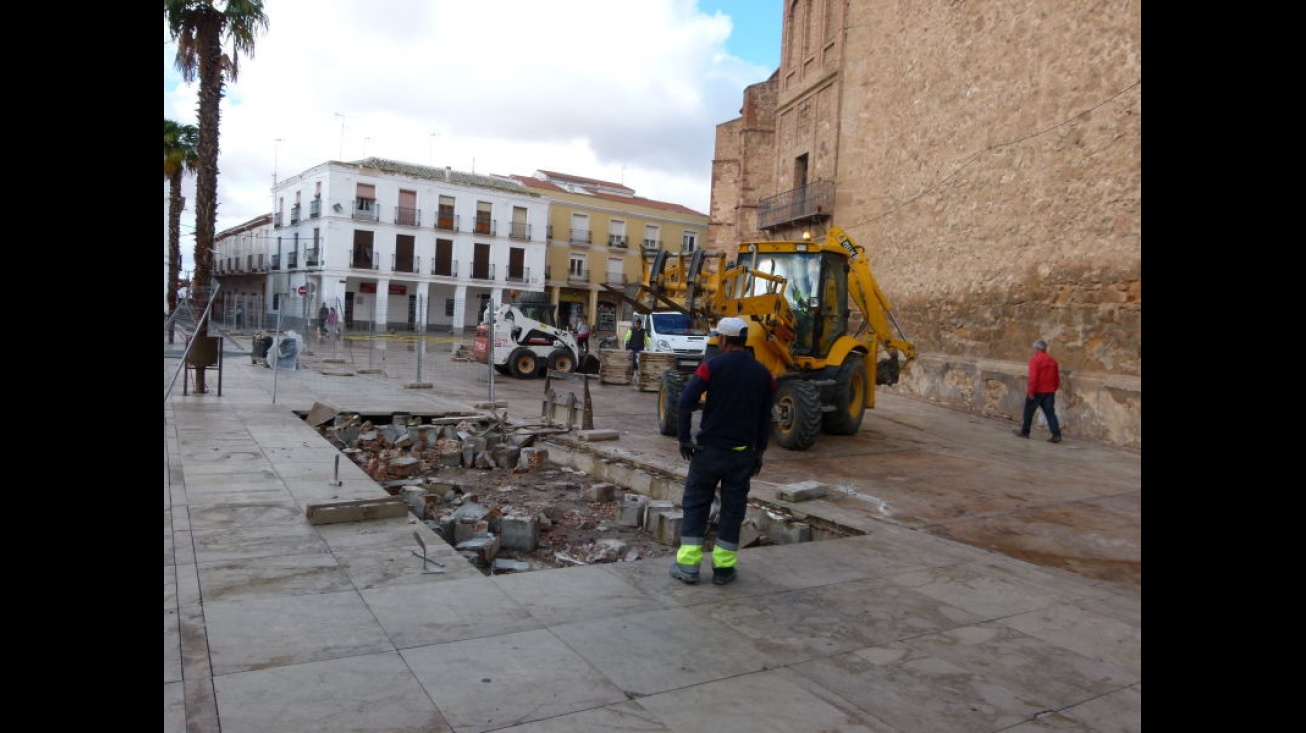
676 324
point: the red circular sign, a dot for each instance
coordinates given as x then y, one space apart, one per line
302 290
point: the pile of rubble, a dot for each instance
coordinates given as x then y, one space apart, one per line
486 490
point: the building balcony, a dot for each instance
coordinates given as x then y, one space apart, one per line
292 261
520 275
445 269
519 230
315 207
276 220
294 214
482 271
485 226
580 236
406 263
313 257
361 259
366 209
408 217
653 244
617 240
579 277
274 262
803 205
616 278
447 221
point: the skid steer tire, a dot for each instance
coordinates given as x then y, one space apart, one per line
669 389
562 360
503 369
849 397
797 414
524 363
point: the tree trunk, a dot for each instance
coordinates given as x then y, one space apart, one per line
209 42
174 248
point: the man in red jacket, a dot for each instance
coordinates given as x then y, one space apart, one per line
1044 379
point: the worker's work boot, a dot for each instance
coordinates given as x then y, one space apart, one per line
1055 439
1019 434
686 573
721 576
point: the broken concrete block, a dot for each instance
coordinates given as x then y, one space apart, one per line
789 533
651 510
666 527
802 491
403 467
520 532
593 435
531 459
603 492
505 455
320 413
355 511
481 550
631 511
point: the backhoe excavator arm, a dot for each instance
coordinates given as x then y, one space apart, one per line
870 300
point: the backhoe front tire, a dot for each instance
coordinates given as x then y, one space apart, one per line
849 397
797 414
523 363
669 389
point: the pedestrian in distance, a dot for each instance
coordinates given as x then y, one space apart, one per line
1041 392
636 341
333 323
727 451
583 335
322 314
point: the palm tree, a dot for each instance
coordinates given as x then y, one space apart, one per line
200 28
179 158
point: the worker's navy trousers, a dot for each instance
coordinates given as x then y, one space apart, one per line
711 467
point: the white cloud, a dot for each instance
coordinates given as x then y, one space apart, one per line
619 90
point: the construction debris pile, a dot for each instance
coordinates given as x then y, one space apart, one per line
486 490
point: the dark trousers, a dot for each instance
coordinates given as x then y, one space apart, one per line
1047 401
732 470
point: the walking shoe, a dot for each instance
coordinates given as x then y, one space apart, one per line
721 576
1019 434
680 573
1055 439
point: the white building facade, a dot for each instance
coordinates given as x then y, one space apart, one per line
391 246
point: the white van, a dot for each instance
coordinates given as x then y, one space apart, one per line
670 332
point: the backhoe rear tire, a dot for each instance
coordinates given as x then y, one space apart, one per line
797 414
523 363
849 397
669 389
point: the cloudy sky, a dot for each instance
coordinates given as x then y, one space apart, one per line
621 90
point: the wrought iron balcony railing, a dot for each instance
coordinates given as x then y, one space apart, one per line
366 209
445 269
315 207
810 203
406 216
361 259
410 263
617 240
447 221
520 230
580 236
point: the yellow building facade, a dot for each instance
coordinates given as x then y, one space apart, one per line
599 234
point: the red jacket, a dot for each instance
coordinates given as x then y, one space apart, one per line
1044 374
